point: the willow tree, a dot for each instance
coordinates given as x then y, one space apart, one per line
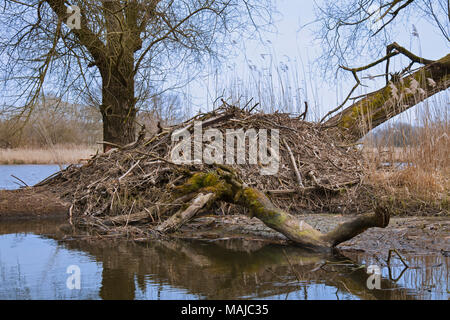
355 28
115 53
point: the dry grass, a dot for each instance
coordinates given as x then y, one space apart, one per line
59 154
422 183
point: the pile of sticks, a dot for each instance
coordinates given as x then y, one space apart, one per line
139 187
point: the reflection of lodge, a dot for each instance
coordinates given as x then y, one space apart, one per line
216 272
225 269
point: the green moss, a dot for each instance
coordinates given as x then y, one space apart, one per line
208 182
252 199
309 234
198 181
263 211
365 108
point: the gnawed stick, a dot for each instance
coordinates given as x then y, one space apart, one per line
129 170
331 188
132 218
294 165
182 216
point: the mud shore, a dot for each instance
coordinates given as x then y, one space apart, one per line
31 203
420 235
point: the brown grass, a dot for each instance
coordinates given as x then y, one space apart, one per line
422 183
59 154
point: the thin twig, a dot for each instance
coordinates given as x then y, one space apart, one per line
20 180
129 170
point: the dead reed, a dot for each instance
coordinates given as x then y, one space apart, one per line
59 154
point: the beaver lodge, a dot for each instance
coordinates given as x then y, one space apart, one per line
138 191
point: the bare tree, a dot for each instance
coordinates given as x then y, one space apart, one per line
349 29
121 50
354 28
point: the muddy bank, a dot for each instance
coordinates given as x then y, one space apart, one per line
419 235
31 203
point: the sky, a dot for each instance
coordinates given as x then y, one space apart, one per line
296 47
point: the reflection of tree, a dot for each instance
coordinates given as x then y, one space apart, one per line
232 269
121 280
215 272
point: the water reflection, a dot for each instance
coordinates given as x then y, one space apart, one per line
34 267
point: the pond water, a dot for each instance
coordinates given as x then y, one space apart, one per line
29 173
35 261
34 265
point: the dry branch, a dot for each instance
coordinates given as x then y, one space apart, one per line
182 216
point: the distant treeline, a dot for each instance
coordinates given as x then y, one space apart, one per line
52 121
398 135
55 122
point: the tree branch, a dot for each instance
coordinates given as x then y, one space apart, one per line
379 106
86 37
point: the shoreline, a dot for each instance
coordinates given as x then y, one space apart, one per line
34 203
58 155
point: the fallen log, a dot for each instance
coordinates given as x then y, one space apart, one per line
182 216
302 233
221 184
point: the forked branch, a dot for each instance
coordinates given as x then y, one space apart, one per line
391 51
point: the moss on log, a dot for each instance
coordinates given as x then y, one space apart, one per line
221 183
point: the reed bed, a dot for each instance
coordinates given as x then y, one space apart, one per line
415 176
60 154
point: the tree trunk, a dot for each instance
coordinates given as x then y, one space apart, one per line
119 112
118 100
378 107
